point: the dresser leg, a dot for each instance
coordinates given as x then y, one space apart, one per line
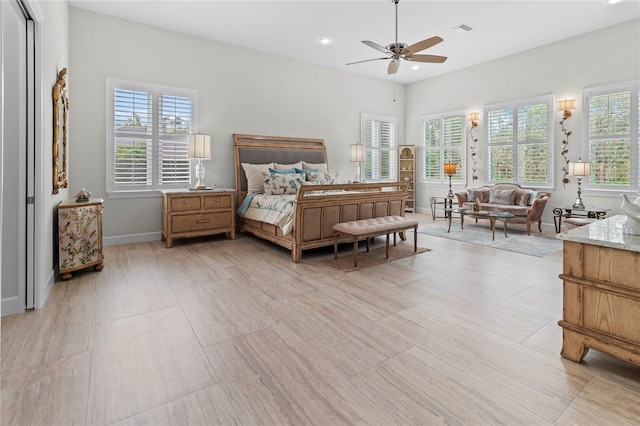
573 347
98 267
66 276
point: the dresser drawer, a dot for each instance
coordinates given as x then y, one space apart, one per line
200 222
185 204
222 201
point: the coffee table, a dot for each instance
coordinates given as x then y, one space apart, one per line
482 214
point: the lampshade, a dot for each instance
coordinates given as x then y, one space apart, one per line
580 169
199 146
357 153
473 116
449 169
567 105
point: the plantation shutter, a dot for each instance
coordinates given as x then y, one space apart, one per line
378 135
175 125
443 141
133 137
610 138
500 141
148 131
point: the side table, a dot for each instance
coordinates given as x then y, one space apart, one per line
79 236
569 212
445 201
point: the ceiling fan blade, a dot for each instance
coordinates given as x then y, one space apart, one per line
436 59
366 60
424 44
376 46
393 67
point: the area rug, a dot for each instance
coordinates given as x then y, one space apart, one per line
376 256
536 244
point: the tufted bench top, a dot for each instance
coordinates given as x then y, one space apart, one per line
372 228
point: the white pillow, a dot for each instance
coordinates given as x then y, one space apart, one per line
282 183
253 172
323 178
297 165
322 167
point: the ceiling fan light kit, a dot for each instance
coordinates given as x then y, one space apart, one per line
396 51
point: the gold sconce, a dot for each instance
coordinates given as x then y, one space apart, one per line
472 117
565 106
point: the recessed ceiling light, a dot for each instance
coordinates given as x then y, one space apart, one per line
613 1
325 41
415 67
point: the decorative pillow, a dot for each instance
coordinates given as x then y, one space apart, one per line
286 171
322 167
482 195
502 196
323 178
304 172
533 195
279 183
253 172
522 197
471 195
297 165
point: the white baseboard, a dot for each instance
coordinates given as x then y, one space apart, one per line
11 305
132 238
46 290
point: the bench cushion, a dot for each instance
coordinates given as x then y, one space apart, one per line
380 225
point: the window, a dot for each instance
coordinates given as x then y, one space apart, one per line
443 141
612 125
147 136
519 147
378 135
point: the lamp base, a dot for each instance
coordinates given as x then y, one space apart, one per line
578 204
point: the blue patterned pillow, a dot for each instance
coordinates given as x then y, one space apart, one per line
282 183
304 172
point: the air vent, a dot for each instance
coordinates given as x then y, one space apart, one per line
462 28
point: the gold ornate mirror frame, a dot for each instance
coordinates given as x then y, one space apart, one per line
60 133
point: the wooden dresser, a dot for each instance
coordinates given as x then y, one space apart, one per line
188 213
79 236
601 300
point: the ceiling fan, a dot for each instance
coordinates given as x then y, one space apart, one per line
396 51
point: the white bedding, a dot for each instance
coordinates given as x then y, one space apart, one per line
274 209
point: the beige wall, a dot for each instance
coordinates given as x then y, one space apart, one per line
239 91
607 56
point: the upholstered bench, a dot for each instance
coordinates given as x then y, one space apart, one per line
367 228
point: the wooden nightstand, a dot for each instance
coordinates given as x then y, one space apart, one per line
188 213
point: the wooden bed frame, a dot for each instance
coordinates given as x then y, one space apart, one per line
315 214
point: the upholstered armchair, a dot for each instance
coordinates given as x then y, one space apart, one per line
535 214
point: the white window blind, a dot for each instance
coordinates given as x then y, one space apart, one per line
613 122
148 130
519 144
378 135
443 141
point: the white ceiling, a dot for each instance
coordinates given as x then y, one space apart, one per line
293 28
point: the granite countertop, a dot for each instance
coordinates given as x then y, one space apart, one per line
606 233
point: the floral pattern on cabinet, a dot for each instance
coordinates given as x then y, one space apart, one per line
79 236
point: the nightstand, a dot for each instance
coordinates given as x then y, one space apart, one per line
188 213
79 236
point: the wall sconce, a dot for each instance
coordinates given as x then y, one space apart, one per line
565 106
450 170
579 170
472 117
356 155
199 146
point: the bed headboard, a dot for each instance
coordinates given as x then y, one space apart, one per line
273 149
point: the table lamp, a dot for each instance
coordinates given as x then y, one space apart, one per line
579 170
450 170
356 155
199 147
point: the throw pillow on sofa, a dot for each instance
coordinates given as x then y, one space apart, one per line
502 196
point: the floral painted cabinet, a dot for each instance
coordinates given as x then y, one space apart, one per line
80 236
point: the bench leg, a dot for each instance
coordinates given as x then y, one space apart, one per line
355 251
415 239
387 245
394 239
335 246
367 240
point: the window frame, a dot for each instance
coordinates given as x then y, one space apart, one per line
460 177
633 87
369 150
515 143
155 188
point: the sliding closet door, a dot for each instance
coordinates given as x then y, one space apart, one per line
17 134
